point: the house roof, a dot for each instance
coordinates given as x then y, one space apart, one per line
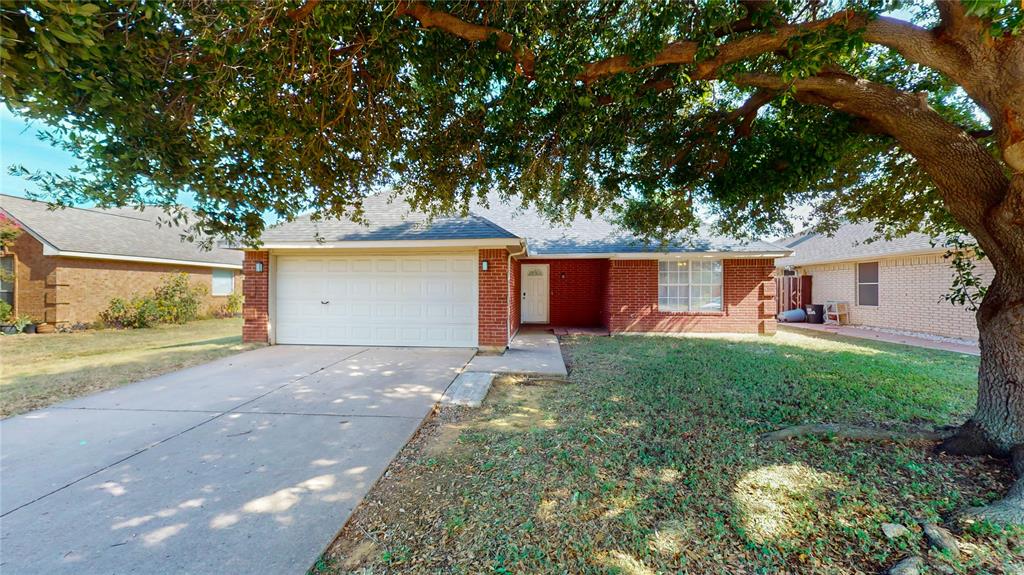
391 219
384 220
850 242
116 233
599 235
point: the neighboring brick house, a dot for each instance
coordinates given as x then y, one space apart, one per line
69 263
893 284
402 279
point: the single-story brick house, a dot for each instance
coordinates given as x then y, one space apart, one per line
893 284
69 263
402 279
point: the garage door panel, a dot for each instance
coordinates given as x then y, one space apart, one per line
399 300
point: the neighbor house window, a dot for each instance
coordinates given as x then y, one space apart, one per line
690 285
867 284
7 279
223 282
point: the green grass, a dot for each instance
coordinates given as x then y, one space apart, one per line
39 370
647 461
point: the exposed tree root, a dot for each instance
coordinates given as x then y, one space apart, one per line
857 433
1007 511
964 440
1010 509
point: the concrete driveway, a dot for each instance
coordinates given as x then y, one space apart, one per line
249 464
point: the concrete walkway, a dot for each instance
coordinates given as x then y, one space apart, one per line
249 464
852 331
530 353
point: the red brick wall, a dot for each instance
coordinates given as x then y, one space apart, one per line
256 310
576 299
494 298
748 300
515 288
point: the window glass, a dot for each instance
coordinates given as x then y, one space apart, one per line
7 279
223 282
690 285
867 283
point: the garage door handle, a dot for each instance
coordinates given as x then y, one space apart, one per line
324 302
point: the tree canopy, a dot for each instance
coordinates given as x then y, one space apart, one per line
664 111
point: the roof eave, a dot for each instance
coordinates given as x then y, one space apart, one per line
384 244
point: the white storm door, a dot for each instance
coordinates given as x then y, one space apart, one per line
535 293
407 300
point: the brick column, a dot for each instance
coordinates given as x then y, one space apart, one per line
255 287
493 312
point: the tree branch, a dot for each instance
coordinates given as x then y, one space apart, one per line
685 52
300 13
971 180
919 45
429 18
746 112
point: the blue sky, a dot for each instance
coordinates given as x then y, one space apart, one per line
19 145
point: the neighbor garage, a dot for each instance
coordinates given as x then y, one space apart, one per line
389 300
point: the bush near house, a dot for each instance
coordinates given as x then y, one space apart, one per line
175 301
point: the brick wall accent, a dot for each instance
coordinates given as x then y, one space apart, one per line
748 300
59 290
31 270
80 289
577 291
494 309
910 289
256 287
515 290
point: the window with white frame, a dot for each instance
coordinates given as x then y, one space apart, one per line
685 285
223 282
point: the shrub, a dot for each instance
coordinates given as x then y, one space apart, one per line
5 311
234 305
176 300
134 313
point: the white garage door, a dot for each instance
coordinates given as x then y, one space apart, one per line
409 300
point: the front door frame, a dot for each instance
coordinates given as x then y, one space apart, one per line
546 293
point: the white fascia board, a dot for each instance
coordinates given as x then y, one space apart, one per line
868 257
659 255
389 244
143 259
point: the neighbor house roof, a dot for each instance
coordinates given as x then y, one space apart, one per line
118 234
850 242
391 219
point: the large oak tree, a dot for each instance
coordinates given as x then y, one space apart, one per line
663 112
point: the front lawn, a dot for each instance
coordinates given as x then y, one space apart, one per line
647 461
39 370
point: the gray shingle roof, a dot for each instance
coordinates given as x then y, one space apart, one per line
598 235
850 243
114 232
392 220
385 220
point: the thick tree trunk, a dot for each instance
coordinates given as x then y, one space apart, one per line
997 426
998 423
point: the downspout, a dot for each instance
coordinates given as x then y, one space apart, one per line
508 293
